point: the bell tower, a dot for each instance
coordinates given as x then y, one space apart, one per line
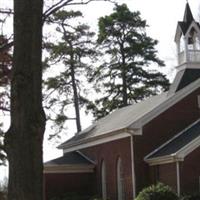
187 39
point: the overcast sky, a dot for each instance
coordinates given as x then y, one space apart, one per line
162 17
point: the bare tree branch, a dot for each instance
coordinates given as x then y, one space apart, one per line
7 11
4 109
54 8
63 3
6 46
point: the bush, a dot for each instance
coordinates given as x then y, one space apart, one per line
71 196
191 197
157 192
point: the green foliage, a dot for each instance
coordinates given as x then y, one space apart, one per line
126 75
71 53
63 15
157 192
75 196
191 197
71 196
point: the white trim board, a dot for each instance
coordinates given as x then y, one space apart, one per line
174 137
175 157
98 141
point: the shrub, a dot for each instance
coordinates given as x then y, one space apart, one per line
157 192
71 196
191 197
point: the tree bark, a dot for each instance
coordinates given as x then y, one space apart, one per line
24 138
74 87
124 81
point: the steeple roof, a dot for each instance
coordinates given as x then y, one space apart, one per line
188 17
188 56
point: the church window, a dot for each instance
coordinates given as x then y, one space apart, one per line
120 180
103 180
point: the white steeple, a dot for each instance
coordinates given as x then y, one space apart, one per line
187 39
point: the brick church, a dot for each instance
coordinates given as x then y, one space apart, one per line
157 139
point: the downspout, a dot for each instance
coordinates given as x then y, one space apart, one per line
133 166
178 178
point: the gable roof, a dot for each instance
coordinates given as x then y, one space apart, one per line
72 158
120 119
178 147
128 120
73 162
183 78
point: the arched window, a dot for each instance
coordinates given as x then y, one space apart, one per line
103 180
120 180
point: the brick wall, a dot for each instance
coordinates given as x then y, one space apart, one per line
190 172
167 174
110 152
159 130
155 133
59 184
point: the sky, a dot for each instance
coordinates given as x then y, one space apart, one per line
162 17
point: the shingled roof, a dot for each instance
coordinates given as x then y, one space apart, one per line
177 147
187 19
72 158
127 120
118 120
71 162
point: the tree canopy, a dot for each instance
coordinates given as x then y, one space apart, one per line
126 75
73 51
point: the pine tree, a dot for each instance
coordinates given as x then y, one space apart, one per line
73 50
126 74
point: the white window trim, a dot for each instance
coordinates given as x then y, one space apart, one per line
120 181
103 180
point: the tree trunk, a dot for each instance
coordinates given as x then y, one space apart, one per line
74 87
124 81
25 136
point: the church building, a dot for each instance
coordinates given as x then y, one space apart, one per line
155 140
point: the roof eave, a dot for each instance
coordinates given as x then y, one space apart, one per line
134 128
170 101
187 149
163 160
107 137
